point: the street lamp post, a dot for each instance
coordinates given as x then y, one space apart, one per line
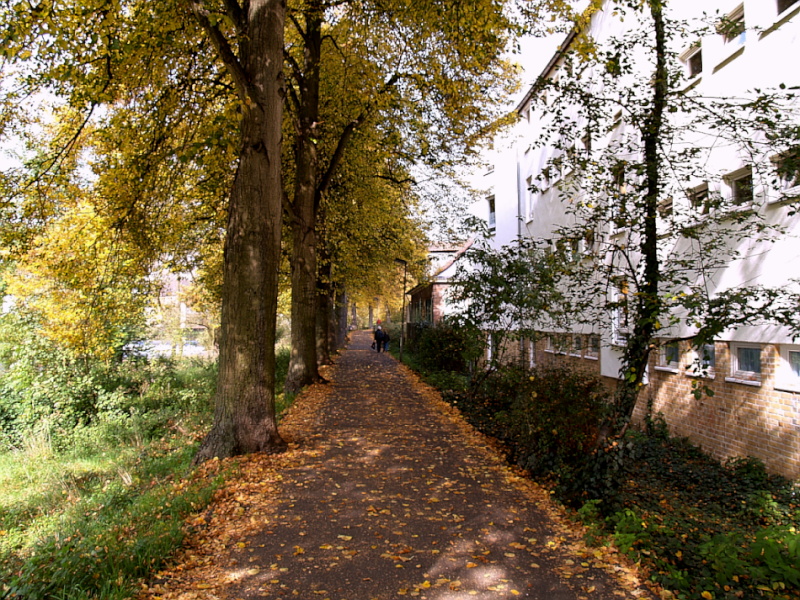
400 261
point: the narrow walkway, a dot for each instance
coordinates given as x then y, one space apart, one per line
391 495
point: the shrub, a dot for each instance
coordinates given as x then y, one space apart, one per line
554 425
442 348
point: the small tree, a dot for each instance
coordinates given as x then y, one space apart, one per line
505 295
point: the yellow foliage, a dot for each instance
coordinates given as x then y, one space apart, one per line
81 281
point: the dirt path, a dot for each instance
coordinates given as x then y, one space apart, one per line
385 493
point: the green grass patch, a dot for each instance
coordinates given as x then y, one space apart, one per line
91 520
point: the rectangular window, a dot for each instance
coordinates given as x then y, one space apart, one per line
732 28
593 347
492 214
531 354
749 359
669 356
619 314
692 60
788 373
787 168
745 363
698 198
703 361
577 345
530 192
794 363
741 188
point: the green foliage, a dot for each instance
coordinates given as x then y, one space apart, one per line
443 347
87 511
700 526
47 391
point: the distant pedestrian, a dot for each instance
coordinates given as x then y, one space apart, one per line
379 335
385 341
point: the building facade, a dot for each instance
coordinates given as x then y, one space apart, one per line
537 190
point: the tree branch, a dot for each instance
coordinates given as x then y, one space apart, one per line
344 139
244 89
237 15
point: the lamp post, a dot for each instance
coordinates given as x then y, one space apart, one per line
400 261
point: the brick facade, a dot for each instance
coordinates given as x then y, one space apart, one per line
740 419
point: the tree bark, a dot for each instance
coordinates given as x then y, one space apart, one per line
303 213
648 305
324 315
244 418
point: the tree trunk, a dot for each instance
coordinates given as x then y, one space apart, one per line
303 215
324 312
648 306
339 322
244 418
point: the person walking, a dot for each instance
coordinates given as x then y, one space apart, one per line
385 340
379 337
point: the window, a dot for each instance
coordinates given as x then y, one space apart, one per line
692 60
787 168
786 4
620 327
741 185
492 214
492 347
593 347
745 363
619 190
529 197
703 361
531 354
788 375
577 345
698 198
731 27
669 357
665 207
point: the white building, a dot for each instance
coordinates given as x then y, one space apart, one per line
754 371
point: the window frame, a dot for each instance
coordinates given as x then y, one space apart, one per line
686 58
697 367
572 339
738 375
664 363
732 180
592 349
789 188
785 379
732 27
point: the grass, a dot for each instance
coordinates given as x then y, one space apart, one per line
92 521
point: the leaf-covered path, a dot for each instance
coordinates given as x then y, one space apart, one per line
385 493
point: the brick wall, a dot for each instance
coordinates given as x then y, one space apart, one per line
738 420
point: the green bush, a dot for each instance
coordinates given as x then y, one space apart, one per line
442 348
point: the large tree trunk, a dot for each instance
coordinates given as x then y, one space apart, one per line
303 215
244 418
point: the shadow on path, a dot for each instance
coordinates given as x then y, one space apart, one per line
392 495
